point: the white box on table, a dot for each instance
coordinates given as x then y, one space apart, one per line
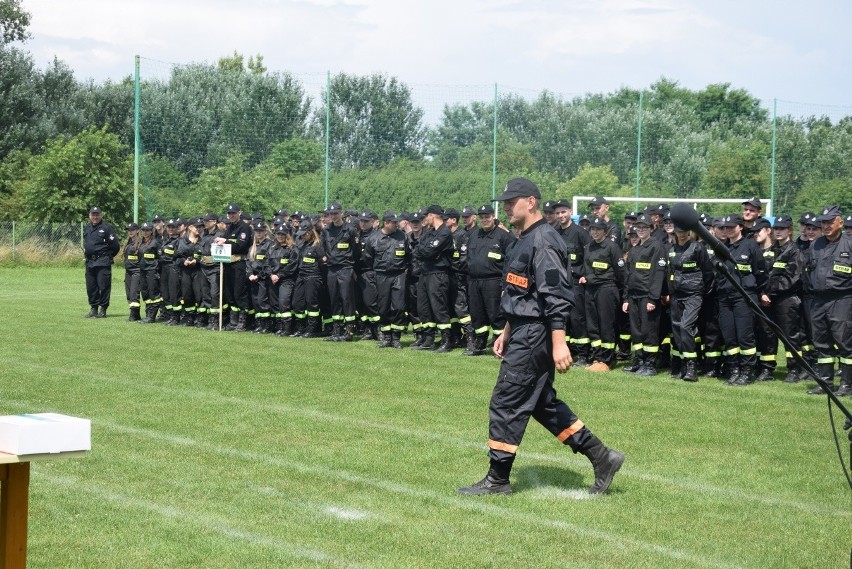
42 433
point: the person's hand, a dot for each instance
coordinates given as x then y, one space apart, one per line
498 346
765 300
273 278
650 307
219 241
252 278
582 280
624 307
562 357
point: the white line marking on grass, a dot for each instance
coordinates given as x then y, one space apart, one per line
347 514
564 458
206 521
480 506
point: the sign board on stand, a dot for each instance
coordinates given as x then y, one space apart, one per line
221 254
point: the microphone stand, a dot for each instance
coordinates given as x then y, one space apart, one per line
755 308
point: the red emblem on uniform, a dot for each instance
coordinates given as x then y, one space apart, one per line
517 280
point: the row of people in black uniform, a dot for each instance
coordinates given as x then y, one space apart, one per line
651 287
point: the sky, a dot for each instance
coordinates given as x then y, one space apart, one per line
797 52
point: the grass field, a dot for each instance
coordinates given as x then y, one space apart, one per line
241 450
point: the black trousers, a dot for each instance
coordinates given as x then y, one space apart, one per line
306 297
708 327
99 284
684 314
190 289
525 389
282 294
260 297
602 303
341 293
367 296
390 302
577 331
766 340
149 282
832 328
412 285
433 300
484 304
644 325
210 288
235 283
458 298
787 312
132 287
737 324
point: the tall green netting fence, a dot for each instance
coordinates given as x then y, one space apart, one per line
209 136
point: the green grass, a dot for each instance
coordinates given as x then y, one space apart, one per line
241 450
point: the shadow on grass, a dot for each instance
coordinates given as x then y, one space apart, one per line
554 479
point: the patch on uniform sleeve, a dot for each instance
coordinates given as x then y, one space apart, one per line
551 277
517 280
661 263
242 235
621 262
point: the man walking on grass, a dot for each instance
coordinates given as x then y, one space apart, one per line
100 245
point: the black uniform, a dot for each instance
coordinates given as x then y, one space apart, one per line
486 256
603 269
340 245
576 240
784 289
132 274
306 294
257 265
284 263
189 276
365 281
149 277
458 289
169 277
766 339
646 273
236 294
100 245
434 249
735 318
690 279
390 255
210 294
829 268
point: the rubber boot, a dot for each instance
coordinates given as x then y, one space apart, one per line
287 326
495 482
242 317
150 314
845 388
102 312
418 339
446 344
689 373
134 315
826 373
396 339
386 339
605 461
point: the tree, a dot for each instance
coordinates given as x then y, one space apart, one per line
91 168
14 21
372 121
739 168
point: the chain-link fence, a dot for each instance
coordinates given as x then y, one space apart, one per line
41 243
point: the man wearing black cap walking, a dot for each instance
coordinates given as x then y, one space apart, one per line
536 299
236 290
828 264
100 245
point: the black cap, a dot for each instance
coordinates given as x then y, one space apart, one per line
147 226
417 216
519 188
334 207
585 217
199 221
848 221
562 203
390 215
365 216
829 213
485 210
132 227
171 222
94 209
754 202
807 216
718 221
732 220
549 206
180 221
643 219
812 222
211 217
599 223
233 208
598 200
705 220
783 222
451 212
631 215
282 213
259 226
224 219
350 212
761 223
297 214
661 209
245 217
157 218
282 228
468 210
436 209
667 216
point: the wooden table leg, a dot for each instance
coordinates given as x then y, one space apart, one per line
14 510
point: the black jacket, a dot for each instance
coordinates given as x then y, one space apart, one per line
100 244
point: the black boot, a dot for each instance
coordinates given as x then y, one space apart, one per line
470 340
102 312
711 367
93 313
346 332
188 319
335 333
635 364
845 388
386 339
150 314
213 321
298 328
676 367
428 342
649 367
201 319
689 373
746 376
396 339
446 342
134 315
241 321
174 318
418 339
826 373
312 327
765 374
287 326
733 374
605 461
495 482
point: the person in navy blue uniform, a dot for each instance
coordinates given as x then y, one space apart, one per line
537 298
100 245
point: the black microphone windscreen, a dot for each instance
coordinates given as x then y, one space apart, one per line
685 216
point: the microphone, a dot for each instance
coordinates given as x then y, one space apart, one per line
685 217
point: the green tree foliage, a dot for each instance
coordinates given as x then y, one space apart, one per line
14 21
372 121
91 168
738 168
